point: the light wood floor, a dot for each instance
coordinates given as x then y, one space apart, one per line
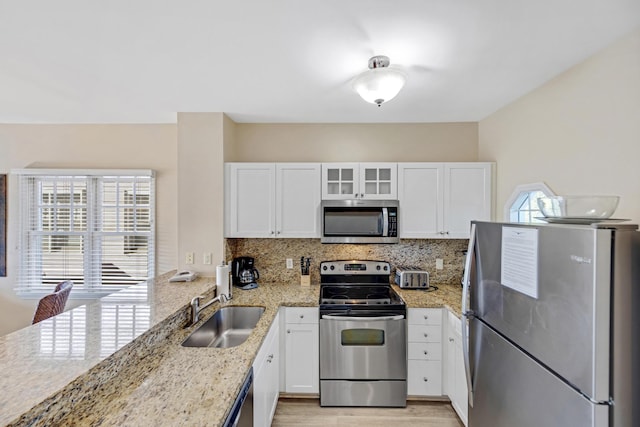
307 412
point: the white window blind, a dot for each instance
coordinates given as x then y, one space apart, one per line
93 227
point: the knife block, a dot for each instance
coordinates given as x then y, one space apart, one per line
305 280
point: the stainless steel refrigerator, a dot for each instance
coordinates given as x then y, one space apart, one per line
554 325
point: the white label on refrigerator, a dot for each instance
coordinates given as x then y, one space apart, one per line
520 260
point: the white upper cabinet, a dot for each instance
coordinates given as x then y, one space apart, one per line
251 199
467 196
298 200
439 200
272 200
420 192
359 181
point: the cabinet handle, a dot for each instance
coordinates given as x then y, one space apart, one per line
302 316
426 335
277 232
271 232
446 232
426 317
425 352
451 340
441 233
425 379
289 331
270 358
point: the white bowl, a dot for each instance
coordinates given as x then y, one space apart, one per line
601 207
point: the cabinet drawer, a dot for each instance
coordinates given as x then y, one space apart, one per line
425 316
301 315
425 333
425 351
424 378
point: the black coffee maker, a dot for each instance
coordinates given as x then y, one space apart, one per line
243 273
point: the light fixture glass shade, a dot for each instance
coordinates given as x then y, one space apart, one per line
379 85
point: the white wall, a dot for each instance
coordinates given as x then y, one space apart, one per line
579 133
87 146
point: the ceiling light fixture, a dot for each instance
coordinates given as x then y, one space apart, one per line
380 83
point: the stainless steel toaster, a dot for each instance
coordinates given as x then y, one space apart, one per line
412 278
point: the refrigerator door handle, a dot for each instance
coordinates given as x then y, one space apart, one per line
467 314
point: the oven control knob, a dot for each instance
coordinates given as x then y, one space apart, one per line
377 267
324 267
333 267
386 268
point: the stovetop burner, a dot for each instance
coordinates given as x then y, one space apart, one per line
358 294
357 284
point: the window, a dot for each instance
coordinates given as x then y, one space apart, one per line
522 205
92 227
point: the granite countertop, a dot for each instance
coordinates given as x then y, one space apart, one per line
117 374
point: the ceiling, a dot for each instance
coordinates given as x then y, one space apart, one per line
291 61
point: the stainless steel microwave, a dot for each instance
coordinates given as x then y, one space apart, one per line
359 221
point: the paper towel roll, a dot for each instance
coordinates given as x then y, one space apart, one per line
222 279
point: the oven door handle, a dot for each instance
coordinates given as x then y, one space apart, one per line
362 318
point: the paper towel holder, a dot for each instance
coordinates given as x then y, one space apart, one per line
226 283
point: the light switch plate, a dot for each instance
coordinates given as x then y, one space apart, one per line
439 263
206 258
289 263
189 258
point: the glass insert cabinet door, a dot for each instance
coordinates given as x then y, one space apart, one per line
340 181
359 180
379 181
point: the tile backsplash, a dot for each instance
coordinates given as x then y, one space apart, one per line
271 255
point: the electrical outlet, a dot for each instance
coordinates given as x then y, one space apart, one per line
289 263
206 258
189 258
439 263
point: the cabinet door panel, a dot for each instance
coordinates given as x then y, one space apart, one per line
378 181
298 200
467 198
460 400
420 192
340 181
251 198
266 378
302 358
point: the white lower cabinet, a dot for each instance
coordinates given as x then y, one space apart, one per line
266 378
301 363
456 382
424 352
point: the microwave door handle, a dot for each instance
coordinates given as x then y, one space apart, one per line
385 222
362 318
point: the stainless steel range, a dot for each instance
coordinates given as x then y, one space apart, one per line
363 336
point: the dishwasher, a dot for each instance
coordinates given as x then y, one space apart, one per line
241 414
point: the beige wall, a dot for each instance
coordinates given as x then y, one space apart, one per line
410 142
201 189
87 146
579 133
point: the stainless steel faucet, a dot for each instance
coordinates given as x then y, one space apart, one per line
196 309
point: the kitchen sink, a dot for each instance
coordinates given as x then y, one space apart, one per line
228 327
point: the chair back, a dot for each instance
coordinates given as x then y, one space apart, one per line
53 304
